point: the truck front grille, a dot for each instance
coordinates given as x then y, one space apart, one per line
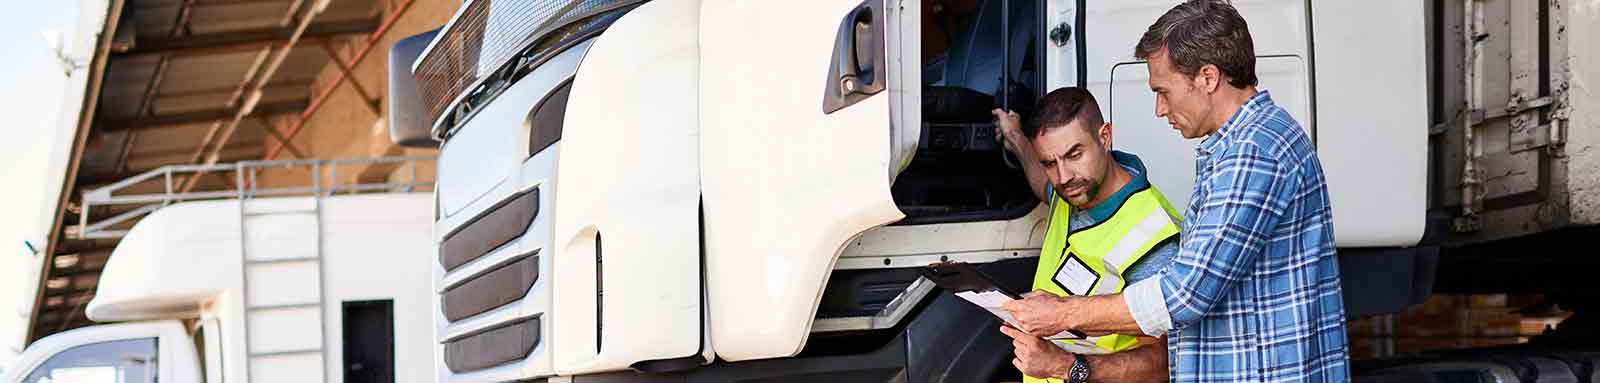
492 347
485 37
494 288
504 270
494 227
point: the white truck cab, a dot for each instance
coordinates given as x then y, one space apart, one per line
142 352
311 288
721 190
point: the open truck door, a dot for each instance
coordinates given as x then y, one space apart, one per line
796 160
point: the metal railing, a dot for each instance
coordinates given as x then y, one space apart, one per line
245 186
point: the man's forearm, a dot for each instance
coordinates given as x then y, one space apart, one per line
1023 148
1038 183
1147 363
1099 315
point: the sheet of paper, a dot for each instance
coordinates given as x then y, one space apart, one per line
994 302
991 301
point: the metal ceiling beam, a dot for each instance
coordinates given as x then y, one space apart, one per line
323 94
70 292
227 91
84 246
74 273
86 260
180 28
272 131
225 3
234 153
75 324
235 150
57 316
372 103
90 266
257 78
208 115
246 40
77 312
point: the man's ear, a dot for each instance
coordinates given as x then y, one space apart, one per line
1105 135
1209 78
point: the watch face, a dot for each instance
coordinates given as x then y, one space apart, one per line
1079 371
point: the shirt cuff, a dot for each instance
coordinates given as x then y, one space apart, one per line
1149 306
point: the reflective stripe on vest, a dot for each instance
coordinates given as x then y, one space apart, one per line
1092 260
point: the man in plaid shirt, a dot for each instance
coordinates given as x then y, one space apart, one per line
1253 294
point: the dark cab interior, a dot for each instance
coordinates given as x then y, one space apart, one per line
976 56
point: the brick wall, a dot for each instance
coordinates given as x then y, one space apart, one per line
346 126
1451 322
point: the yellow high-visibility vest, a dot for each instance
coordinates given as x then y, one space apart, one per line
1092 260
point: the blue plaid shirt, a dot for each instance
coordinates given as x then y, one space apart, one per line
1253 294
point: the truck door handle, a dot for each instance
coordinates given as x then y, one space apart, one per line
857 68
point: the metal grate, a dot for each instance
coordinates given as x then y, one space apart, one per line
484 37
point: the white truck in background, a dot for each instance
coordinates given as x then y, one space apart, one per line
281 284
717 190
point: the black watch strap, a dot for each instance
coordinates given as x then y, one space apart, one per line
1079 373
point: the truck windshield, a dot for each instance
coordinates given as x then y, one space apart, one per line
122 361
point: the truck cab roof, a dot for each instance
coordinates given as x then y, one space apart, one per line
170 264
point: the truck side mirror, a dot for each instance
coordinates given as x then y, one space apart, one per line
409 125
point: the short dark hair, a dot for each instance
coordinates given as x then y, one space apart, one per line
1063 106
1200 32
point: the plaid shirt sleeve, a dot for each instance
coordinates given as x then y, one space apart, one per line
1246 196
1248 193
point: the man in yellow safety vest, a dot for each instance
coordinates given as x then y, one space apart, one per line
1108 228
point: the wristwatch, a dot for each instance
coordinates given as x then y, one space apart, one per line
1079 373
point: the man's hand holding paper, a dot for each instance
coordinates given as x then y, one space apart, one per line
1038 313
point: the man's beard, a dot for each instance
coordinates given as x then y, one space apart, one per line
1089 192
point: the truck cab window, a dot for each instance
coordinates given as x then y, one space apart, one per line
976 56
122 361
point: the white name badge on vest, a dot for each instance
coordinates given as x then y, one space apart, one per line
1076 277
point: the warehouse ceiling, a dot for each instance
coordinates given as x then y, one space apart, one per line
195 82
